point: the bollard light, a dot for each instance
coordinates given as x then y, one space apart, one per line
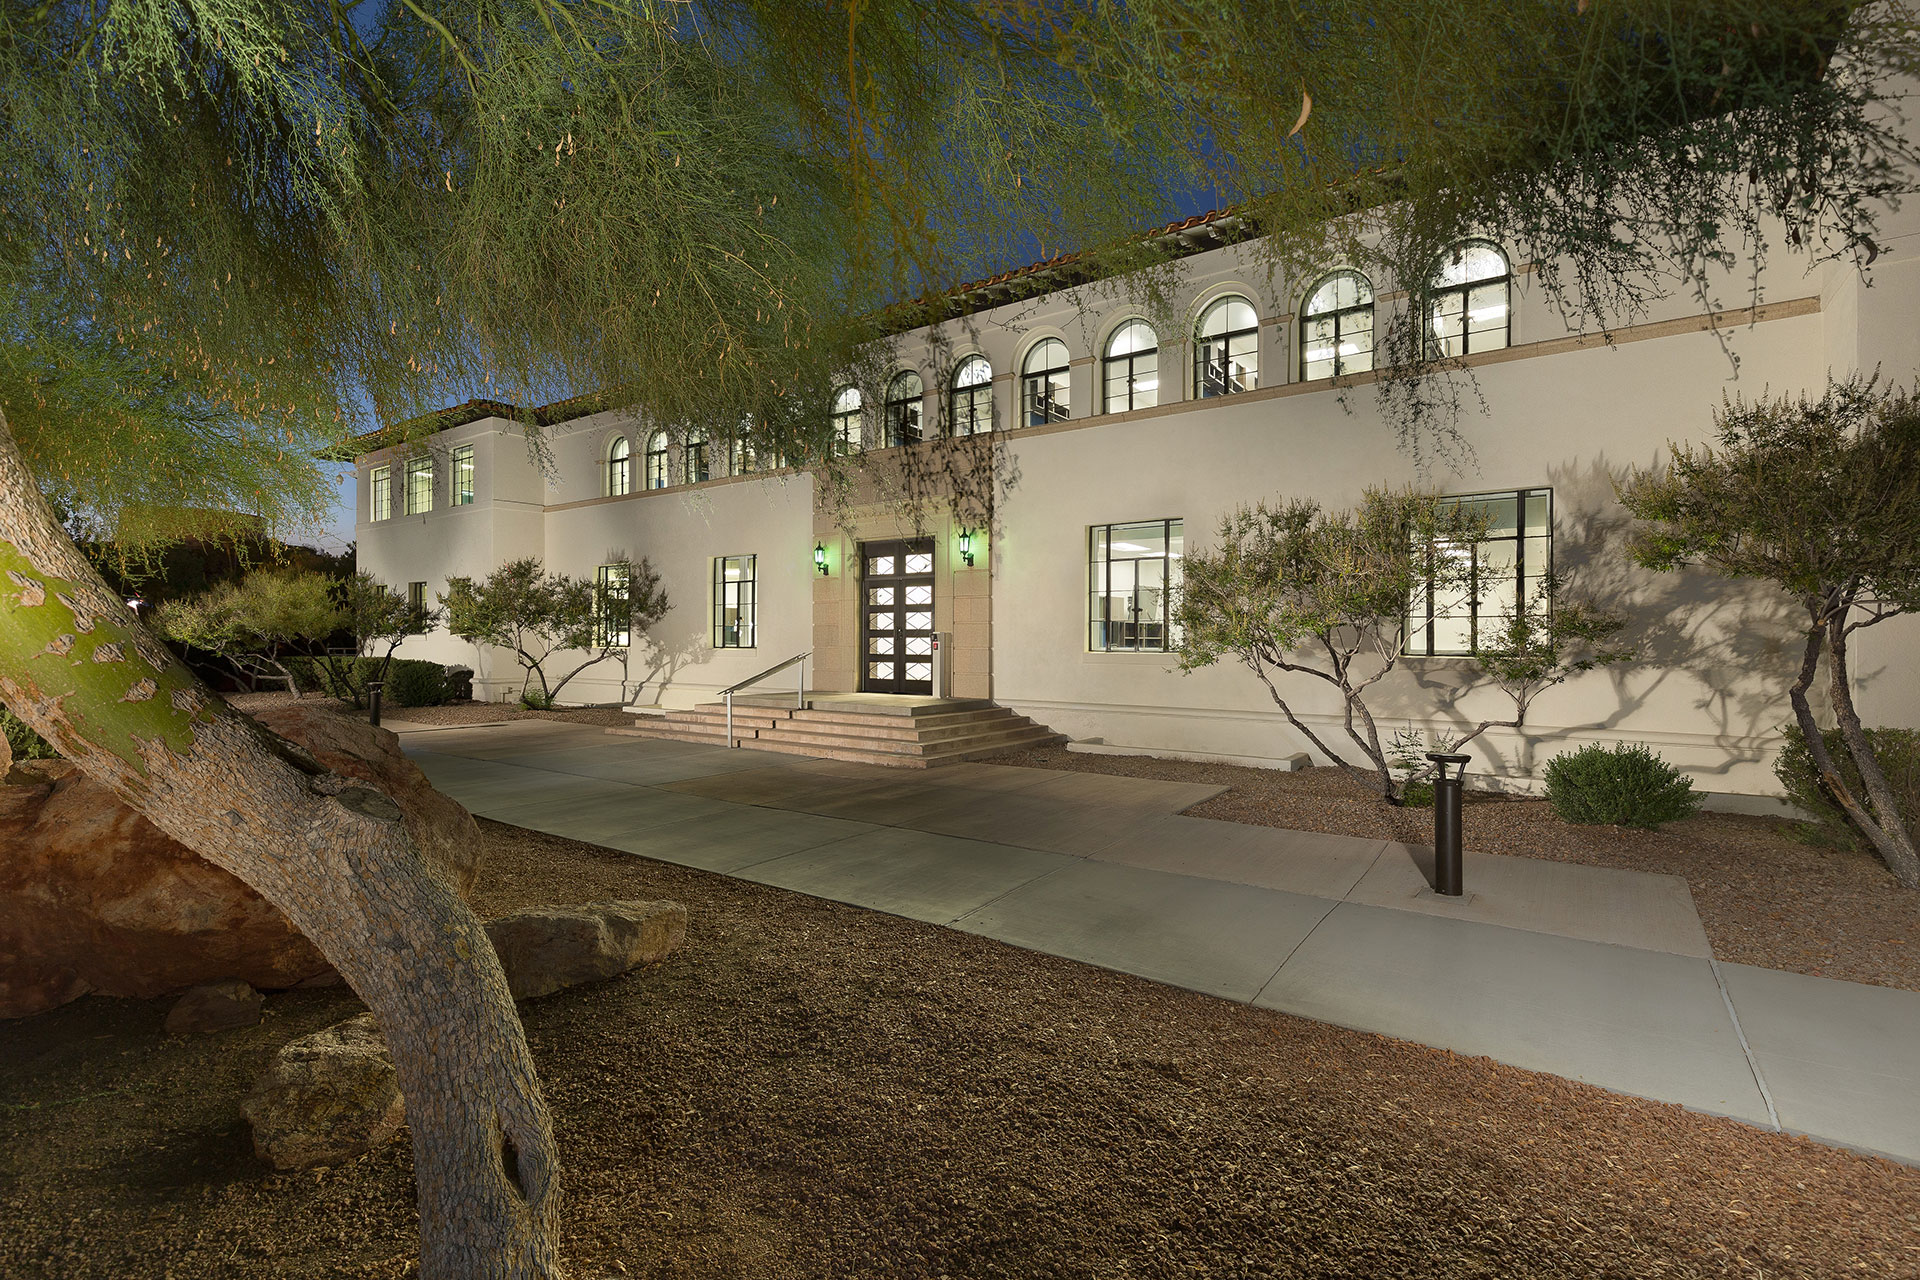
1447 870
374 688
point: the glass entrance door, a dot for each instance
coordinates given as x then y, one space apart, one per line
896 622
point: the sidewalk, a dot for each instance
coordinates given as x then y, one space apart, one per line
1594 974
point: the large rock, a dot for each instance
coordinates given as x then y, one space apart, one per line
93 897
544 949
215 1006
328 1097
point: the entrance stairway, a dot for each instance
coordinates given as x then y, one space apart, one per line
902 732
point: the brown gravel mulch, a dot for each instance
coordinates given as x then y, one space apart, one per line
454 713
1766 898
813 1090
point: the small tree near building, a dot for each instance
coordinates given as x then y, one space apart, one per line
537 614
1820 497
1297 589
257 623
379 618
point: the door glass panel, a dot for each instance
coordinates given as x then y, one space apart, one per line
880 564
880 622
915 595
920 646
920 622
880 644
880 595
880 670
919 564
919 671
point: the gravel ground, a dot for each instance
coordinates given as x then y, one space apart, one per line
453 713
1766 899
812 1090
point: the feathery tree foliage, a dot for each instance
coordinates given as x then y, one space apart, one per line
238 230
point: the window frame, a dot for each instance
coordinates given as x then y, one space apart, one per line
1434 293
1204 345
460 484
1037 386
846 420
914 405
417 597
656 460
417 500
618 467
1108 361
975 395
380 493
1339 316
745 601
605 596
693 449
1528 573
1102 625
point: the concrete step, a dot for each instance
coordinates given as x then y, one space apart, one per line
898 740
1037 736
893 723
712 737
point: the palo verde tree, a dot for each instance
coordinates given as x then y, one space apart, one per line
1819 497
535 614
257 622
231 224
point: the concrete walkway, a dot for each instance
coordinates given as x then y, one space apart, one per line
1597 975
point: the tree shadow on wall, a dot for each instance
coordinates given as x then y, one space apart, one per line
1737 641
669 648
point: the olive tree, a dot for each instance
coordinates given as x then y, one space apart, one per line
1819 497
536 614
1298 590
379 618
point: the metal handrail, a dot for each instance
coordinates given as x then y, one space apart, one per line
800 698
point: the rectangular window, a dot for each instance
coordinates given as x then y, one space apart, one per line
419 492
417 597
380 492
733 601
1135 568
613 621
1503 569
463 476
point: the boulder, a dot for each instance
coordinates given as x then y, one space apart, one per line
93 897
215 1006
545 949
326 1098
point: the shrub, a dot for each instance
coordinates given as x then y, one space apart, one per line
22 740
413 683
534 700
1897 750
1625 784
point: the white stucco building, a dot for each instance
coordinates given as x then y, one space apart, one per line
1123 443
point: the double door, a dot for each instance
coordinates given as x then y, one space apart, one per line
896 617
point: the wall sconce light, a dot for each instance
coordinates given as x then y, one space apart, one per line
966 546
820 558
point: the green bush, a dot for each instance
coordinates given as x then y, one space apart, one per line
1626 785
22 740
534 700
412 683
1897 750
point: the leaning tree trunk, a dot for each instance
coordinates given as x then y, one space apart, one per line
332 854
1896 841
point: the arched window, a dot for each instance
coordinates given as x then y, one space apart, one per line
1132 367
1044 380
970 400
846 422
1336 327
696 450
657 460
1226 349
904 396
1467 300
619 467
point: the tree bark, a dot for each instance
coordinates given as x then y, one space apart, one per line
1818 611
332 854
1894 842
